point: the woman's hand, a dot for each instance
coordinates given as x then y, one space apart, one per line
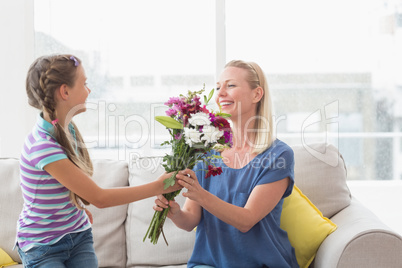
188 180
161 203
189 216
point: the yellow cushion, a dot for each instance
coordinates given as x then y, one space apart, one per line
306 226
5 260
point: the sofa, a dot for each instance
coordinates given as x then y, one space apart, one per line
360 240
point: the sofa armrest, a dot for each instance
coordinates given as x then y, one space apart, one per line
361 240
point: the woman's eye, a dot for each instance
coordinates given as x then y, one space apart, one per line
217 88
231 85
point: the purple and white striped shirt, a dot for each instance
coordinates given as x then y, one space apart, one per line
48 213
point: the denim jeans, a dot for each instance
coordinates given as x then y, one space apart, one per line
73 250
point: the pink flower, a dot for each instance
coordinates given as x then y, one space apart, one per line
204 109
178 136
171 112
173 100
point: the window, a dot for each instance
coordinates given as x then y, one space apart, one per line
136 55
333 68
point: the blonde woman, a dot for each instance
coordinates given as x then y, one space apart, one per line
237 213
54 229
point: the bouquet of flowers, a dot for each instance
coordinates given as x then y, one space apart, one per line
194 131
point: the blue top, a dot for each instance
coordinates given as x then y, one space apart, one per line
265 245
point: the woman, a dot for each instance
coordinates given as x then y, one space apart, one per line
237 213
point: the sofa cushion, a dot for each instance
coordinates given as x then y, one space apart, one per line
5 259
305 225
139 253
11 203
108 227
320 173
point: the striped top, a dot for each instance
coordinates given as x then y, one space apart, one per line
48 213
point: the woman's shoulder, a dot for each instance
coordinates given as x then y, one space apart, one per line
279 147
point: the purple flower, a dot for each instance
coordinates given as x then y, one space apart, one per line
228 137
196 101
178 136
173 100
171 112
212 117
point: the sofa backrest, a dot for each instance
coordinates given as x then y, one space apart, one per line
109 223
10 204
320 173
108 228
139 215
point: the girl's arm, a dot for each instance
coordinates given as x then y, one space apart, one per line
78 182
261 201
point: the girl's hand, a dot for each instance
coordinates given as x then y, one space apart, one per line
188 180
91 219
161 203
173 188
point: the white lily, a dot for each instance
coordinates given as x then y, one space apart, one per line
191 136
211 134
199 119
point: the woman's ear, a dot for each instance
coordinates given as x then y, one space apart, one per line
258 94
63 92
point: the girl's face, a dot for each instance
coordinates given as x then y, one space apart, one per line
234 93
79 92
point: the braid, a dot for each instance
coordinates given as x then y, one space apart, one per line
45 76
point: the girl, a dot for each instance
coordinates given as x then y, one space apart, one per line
54 229
237 213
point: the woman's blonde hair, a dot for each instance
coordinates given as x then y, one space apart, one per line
45 76
264 116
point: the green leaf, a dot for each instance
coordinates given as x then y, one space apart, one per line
224 115
205 100
165 143
169 122
211 94
170 181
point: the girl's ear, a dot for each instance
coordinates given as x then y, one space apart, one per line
258 94
63 92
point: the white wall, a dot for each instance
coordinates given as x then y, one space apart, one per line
17 53
383 198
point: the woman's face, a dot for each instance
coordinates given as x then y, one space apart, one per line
234 94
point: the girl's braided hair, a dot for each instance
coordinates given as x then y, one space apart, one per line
45 76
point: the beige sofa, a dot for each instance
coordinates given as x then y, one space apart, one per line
361 239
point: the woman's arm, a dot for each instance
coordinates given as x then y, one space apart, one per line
78 182
260 202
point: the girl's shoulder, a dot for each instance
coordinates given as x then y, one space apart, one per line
39 140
